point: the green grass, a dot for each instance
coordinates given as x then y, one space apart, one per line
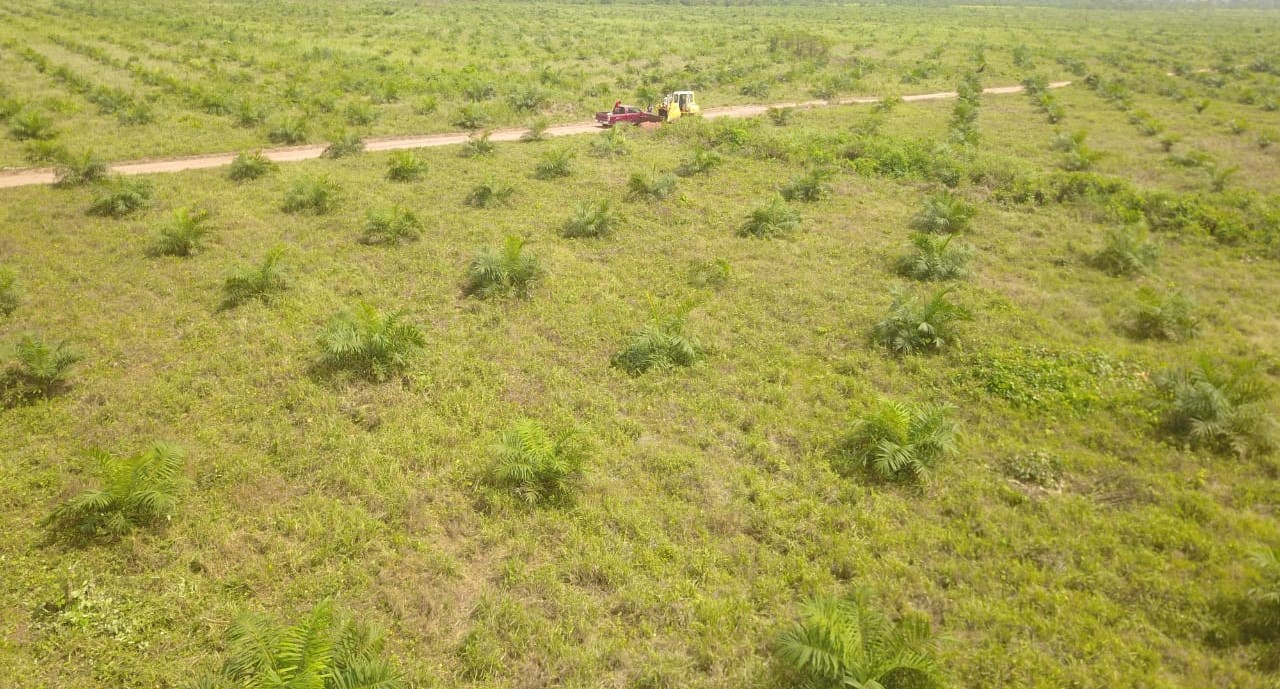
1073 537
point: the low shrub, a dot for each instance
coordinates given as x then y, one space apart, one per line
912 327
9 298
249 166
390 226
896 441
503 272
136 491
261 282
943 213
405 166
313 194
555 163
811 186
590 219
847 642
478 146
489 194
709 274
36 369
343 144
661 344
1220 408
180 235
324 651
1156 316
1034 468
370 343
700 162
539 467
79 170
1125 252
120 196
650 186
935 258
288 130
776 219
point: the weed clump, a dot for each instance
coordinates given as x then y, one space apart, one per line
250 166
537 466
896 441
776 219
121 196
180 235
312 194
912 327
590 219
370 343
661 344
135 491
503 272
262 281
1217 409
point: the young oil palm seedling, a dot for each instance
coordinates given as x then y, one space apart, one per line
896 441
811 186
661 344
405 166
38 152
846 643
478 146
79 170
390 226
650 186
370 343
29 125
777 219
1156 316
249 166
503 272
943 213
1219 408
490 193
700 162
1220 176
536 130
326 650
610 145
590 219
288 130
135 491
36 369
312 194
935 258
8 291
709 274
121 196
539 467
1125 252
912 327
342 144
1264 599
555 163
181 233
262 281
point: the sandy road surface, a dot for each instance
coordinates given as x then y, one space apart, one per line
22 178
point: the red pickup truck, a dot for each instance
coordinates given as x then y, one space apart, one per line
626 114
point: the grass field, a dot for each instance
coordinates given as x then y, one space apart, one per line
1074 538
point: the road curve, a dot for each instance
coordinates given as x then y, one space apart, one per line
23 178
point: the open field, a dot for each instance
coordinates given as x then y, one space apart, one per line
1075 537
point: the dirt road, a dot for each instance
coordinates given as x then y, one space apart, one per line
22 178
